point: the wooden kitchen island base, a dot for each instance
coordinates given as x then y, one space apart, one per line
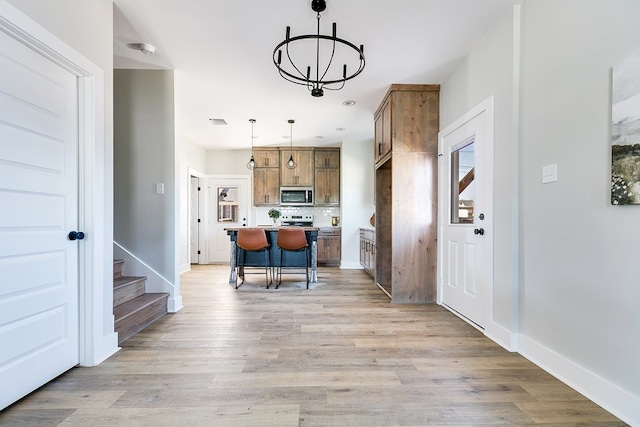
289 259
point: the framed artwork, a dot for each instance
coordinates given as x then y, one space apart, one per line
625 132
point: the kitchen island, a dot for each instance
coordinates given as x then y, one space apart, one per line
289 259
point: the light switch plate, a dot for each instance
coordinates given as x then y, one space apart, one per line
160 188
549 173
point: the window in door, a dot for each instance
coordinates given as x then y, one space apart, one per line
462 183
227 204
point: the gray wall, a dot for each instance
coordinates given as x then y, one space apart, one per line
144 155
571 296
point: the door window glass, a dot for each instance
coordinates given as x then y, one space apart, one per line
463 183
227 204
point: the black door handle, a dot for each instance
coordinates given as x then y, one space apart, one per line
75 235
479 231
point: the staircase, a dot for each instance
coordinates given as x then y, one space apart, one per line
133 308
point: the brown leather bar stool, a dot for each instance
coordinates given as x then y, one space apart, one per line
253 240
292 239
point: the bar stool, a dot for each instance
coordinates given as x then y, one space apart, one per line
253 240
292 239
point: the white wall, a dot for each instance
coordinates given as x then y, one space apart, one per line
577 277
87 27
580 289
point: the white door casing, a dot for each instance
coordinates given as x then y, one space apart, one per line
218 242
465 247
39 297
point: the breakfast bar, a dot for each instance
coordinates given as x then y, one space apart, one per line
289 259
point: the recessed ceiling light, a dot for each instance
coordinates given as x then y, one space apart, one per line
349 103
341 129
218 122
319 137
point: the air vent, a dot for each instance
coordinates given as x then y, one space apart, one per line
218 122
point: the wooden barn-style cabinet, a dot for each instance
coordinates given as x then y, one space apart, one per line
406 144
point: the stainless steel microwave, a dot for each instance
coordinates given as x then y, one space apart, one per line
296 196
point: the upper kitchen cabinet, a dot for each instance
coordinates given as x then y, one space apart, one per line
266 177
266 157
383 131
327 158
327 177
302 174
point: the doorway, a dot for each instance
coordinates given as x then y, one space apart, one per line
465 204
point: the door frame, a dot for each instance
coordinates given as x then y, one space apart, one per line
97 338
487 108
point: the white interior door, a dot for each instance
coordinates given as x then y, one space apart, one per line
229 203
39 328
194 221
465 200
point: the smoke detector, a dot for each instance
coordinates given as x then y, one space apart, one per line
145 48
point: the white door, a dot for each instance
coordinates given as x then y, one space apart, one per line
229 201
38 208
465 200
194 221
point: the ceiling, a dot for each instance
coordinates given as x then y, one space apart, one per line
221 51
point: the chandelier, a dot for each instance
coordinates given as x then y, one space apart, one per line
326 44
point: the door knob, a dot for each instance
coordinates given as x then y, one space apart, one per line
479 231
75 235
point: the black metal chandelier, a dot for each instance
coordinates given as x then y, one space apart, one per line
324 78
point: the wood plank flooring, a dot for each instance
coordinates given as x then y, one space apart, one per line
338 354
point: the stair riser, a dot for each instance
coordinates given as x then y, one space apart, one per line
117 268
134 322
128 292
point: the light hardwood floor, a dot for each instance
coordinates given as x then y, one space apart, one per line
338 354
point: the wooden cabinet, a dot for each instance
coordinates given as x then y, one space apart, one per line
329 246
266 177
406 193
318 168
327 158
327 177
368 250
302 174
266 157
383 137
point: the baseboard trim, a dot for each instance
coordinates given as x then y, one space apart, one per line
619 402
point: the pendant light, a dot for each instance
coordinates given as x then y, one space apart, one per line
251 164
291 164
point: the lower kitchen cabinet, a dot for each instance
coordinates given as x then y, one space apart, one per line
368 250
329 246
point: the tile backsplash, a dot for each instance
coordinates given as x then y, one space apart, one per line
321 215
